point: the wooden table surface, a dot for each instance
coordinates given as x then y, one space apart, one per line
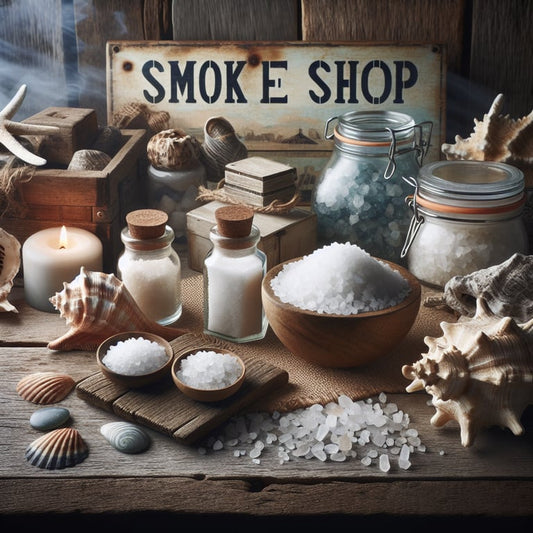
491 481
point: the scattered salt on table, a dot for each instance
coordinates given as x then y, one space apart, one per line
340 279
135 357
209 370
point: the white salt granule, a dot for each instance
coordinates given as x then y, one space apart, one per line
209 370
303 434
340 279
135 357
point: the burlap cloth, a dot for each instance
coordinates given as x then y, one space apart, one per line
310 383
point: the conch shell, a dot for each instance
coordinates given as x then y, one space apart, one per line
506 289
221 146
479 373
96 306
9 267
497 138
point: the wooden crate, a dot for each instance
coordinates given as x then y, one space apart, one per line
97 201
283 236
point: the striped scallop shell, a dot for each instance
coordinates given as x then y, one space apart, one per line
57 449
126 437
221 146
45 387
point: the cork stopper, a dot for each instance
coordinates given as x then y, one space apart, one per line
234 221
146 223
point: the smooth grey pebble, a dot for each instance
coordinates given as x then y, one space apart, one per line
49 418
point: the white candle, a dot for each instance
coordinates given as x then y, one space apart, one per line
48 260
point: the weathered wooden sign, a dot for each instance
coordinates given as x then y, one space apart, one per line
278 96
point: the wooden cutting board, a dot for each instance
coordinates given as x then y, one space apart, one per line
164 408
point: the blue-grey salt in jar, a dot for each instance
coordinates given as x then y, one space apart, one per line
359 196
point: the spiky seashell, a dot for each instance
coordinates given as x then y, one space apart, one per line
45 387
173 149
9 267
506 289
497 138
96 306
126 437
221 146
89 160
109 140
479 373
57 449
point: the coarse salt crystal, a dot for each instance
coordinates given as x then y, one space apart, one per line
135 357
209 370
339 279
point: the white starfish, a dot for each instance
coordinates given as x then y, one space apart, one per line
9 128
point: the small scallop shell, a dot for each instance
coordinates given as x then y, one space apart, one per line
126 437
89 160
45 387
57 449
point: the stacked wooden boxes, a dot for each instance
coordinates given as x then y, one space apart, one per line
95 200
259 181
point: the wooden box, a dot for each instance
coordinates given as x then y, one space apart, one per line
97 201
283 237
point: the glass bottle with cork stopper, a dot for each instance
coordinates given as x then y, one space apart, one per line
149 267
233 272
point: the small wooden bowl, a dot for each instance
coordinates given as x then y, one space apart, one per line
207 395
335 340
140 380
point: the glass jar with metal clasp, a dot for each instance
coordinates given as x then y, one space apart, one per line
467 215
359 196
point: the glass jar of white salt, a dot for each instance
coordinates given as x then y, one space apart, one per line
467 215
149 266
359 196
233 272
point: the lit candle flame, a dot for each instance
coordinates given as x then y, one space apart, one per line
63 240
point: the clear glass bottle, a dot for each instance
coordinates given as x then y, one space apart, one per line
467 215
149 266
233 272
175 193
359 196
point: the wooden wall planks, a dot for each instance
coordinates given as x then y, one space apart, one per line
235 20
57 47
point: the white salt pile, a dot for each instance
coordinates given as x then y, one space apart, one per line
135 357
340 279
376 433
209 370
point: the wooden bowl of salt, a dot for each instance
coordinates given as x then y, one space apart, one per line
208 374
335 340
135 358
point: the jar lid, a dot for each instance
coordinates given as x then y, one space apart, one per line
146 223
234 221
374 126
463 182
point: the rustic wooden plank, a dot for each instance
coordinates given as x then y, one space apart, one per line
164 408
383 20
157 20
235 20
96 23
329 500
32 53
501 52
